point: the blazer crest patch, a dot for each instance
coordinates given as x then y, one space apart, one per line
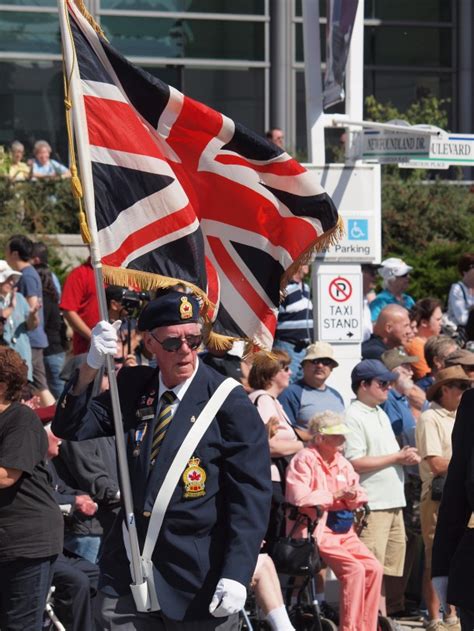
194 478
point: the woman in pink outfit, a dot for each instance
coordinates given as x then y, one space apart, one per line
319 475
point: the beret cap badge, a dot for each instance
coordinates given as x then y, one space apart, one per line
185 309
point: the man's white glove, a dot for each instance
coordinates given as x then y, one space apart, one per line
104 338
440 583
229 598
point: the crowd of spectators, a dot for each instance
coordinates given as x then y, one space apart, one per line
39 166
389 448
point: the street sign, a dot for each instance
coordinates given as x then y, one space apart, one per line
388 146
356 193
339 305
453 149
423 164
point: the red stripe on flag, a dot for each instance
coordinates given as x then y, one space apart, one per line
289 168
161 228
233 273
213 284
106 117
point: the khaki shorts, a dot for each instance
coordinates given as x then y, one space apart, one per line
385 537
429 516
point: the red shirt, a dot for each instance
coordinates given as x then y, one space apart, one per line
79 295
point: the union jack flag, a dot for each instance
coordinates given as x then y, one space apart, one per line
185 192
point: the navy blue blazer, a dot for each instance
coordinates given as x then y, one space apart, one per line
453 548
212 533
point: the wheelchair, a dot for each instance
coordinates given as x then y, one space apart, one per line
297 576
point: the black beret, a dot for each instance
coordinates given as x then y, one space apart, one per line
173 307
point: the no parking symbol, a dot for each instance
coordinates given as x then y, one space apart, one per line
340 289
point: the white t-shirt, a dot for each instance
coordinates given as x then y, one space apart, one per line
372 435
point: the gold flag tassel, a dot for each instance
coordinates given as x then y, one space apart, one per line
327 239
76 185
97 28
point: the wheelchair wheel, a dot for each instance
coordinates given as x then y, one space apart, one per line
384 624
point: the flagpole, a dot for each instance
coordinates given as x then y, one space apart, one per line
81 133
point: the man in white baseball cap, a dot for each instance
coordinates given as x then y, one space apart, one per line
396 278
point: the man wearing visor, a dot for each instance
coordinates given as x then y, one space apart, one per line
215 522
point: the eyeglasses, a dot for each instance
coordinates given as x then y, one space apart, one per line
173 344
285 368
460 385
324 361
382 383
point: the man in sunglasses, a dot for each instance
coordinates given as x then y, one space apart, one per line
433 439
310 395
375 454
217 516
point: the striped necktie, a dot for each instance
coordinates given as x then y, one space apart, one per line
162 423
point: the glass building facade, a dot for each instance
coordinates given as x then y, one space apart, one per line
220 52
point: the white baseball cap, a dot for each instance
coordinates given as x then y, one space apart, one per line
6 271
393 267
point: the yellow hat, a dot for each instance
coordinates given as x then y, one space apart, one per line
341 429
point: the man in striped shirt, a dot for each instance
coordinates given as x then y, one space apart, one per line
295 321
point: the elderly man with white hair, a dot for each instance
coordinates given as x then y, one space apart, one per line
396 278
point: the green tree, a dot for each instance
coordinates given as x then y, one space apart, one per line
427 221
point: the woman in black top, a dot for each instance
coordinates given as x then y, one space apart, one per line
54 355
31 525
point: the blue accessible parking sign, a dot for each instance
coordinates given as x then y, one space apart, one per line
358 229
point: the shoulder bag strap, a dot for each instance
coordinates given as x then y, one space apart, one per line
179 463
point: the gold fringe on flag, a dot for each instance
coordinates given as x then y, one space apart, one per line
217 341
147 281
97 28
76 185
331 237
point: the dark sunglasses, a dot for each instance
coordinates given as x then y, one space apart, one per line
173 344
382 383
285 368
324 361
460 385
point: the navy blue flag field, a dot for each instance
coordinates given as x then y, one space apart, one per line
184 192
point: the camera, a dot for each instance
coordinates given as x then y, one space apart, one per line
132 301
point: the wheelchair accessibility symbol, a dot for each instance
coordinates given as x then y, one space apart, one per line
358 229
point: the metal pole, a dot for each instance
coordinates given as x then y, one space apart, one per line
313 82
80 126
340 120
278 65
465 21
355 79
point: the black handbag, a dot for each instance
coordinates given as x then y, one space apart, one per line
297 557
437 486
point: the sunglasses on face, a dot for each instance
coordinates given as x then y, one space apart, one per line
382 383
173 344
285 368
324 361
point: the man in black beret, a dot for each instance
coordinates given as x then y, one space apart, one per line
217 516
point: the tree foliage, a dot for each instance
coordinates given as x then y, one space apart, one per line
426 220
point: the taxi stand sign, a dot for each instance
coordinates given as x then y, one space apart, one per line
340 312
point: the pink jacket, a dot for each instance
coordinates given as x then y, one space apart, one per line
311 481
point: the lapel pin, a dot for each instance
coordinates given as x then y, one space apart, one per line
192 419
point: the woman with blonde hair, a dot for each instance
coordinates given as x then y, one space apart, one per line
319 475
